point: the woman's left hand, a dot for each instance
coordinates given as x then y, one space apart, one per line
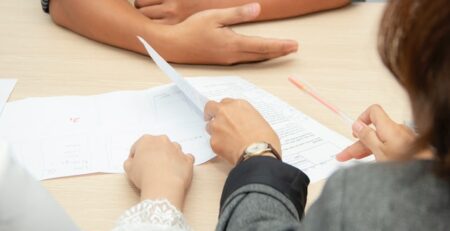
160 169
388 141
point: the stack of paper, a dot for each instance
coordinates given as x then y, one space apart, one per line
72 135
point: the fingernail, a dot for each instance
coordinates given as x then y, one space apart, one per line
253 9
357 127
294 48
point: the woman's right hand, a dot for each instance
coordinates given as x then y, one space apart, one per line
205 38
234 125
388 141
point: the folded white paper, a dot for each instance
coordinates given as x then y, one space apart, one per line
197 98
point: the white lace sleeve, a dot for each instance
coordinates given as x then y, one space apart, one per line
148 215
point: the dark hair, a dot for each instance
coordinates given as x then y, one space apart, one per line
414 43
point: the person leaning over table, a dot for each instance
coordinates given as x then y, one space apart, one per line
201 34
408 189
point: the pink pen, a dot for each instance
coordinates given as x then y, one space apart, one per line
302 85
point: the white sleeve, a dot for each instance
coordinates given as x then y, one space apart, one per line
3 158
24 203
159 215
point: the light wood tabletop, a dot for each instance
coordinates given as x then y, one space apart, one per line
337 55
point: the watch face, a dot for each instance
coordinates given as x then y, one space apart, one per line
257 148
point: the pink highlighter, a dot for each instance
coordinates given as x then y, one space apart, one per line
302 85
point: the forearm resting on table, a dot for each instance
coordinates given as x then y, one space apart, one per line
263 193
276 9
114 22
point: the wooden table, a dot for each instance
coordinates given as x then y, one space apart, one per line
337 55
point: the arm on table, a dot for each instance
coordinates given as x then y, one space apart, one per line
203 38
163 173
260 193
174 11
263 193
286 8
115 22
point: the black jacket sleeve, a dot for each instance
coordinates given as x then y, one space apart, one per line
286 179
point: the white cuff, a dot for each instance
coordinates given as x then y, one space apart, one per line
152 215
3 157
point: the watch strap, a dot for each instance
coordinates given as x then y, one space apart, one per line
270 149
45 5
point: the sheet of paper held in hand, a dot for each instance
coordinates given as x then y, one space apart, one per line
72 135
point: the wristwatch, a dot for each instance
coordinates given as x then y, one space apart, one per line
258 149
45 5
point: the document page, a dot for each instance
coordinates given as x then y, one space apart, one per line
190 92
306 144
72 135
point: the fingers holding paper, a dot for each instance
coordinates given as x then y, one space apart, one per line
205 38
234 125
387 140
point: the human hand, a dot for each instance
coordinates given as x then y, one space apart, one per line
234 125
204 38
389 140
160 169
171 11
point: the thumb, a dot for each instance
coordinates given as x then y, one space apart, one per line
235 15
368 137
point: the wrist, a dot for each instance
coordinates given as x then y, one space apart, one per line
157 36
258 149
172 190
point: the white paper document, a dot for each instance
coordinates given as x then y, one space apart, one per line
6 87
306 144
197 98
73 135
